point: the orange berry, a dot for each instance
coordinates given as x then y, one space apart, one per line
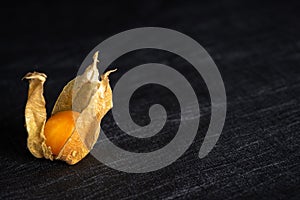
59 128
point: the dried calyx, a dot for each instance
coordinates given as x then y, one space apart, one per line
74 126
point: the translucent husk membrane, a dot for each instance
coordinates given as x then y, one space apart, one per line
85 94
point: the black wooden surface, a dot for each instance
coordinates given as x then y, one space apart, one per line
256 46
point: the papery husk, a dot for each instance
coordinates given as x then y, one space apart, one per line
35 116
82 85
84 94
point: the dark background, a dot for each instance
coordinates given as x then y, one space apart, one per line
256 47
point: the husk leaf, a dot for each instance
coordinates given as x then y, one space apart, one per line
81 88
93 99
35 116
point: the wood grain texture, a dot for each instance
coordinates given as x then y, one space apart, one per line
256 47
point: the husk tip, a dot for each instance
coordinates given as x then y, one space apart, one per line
106 74
95 57
35 75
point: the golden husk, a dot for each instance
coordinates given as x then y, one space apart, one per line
84 94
